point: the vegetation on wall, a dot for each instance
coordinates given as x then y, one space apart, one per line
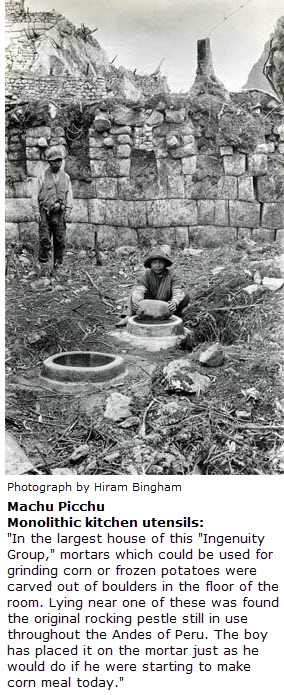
238 128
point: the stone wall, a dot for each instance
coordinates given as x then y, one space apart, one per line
22 28
147 166
152 180
47 57
53 88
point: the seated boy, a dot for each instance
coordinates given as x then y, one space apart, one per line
158 282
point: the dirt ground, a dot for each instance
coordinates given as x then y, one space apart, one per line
235 428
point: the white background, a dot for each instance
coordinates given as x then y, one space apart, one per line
228 505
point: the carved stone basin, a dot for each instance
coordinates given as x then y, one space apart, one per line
81 368
153 328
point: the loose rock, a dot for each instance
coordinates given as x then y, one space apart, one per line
166 249
130 422
40 284
79 453
24 260
91 467
125 250
243 414
217 270
279 405
213 357
252 394
179 377
246 244
16 460
257 278
118 407
251 289
110 458
131 470
280 262
169 414
191 252
35 338
273 284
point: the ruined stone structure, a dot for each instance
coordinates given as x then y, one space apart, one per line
268 72
200 168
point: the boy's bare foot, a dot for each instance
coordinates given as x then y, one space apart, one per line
122 322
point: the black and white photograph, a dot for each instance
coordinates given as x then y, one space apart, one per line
144 236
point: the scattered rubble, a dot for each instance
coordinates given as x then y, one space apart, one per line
193 170
180 378
230 428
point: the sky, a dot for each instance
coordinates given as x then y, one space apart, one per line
142 32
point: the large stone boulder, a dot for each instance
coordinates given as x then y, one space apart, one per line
153 309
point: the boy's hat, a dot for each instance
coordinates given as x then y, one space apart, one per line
155 254
54 153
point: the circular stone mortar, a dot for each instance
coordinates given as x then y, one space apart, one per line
151 334
73 370
152 328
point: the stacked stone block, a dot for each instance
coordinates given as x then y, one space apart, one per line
22 28
28 88
152 180
20 220
150 184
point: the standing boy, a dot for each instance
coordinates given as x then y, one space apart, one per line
53 202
